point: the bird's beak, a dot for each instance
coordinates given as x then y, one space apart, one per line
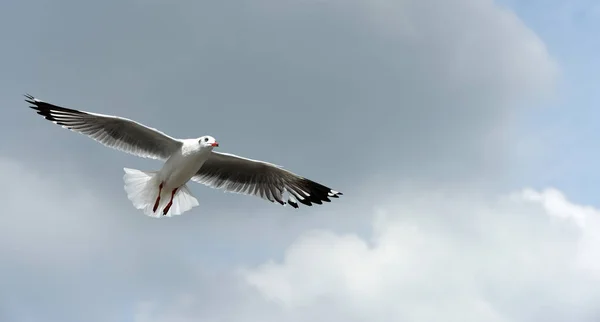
215 144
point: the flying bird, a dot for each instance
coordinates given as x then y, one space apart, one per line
165 191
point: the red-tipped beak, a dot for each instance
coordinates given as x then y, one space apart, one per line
215 144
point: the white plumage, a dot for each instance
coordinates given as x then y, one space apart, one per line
165 192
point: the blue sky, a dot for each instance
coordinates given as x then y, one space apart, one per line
443 122
567 124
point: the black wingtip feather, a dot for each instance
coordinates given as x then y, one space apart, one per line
317 193
46 109
30 99
305 202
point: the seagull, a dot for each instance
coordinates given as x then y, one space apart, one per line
165 191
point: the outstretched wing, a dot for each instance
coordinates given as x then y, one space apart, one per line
115 132
261 179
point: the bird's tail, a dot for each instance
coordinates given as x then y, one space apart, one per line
143 188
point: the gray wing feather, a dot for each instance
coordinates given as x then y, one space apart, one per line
262 179
115 132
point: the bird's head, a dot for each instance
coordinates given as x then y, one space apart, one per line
208 141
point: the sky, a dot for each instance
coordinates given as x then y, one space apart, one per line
462 134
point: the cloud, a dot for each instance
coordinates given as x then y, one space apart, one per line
426 88
357 99
432 255
521 257
40 219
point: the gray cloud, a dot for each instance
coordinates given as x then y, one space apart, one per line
414 86
347 93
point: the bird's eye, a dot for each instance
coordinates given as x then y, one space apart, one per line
205 139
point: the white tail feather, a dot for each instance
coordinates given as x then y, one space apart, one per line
142 189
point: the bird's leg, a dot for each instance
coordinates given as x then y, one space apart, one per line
170 202
158 198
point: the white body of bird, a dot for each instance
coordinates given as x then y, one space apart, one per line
185 163
157 192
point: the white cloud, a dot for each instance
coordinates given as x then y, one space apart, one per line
586 218
432 256
452 258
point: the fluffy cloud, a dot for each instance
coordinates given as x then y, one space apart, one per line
528 256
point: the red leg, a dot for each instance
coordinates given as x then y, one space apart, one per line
158 198
170 202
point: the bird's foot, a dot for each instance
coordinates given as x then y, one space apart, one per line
167 208
170 203
157 198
